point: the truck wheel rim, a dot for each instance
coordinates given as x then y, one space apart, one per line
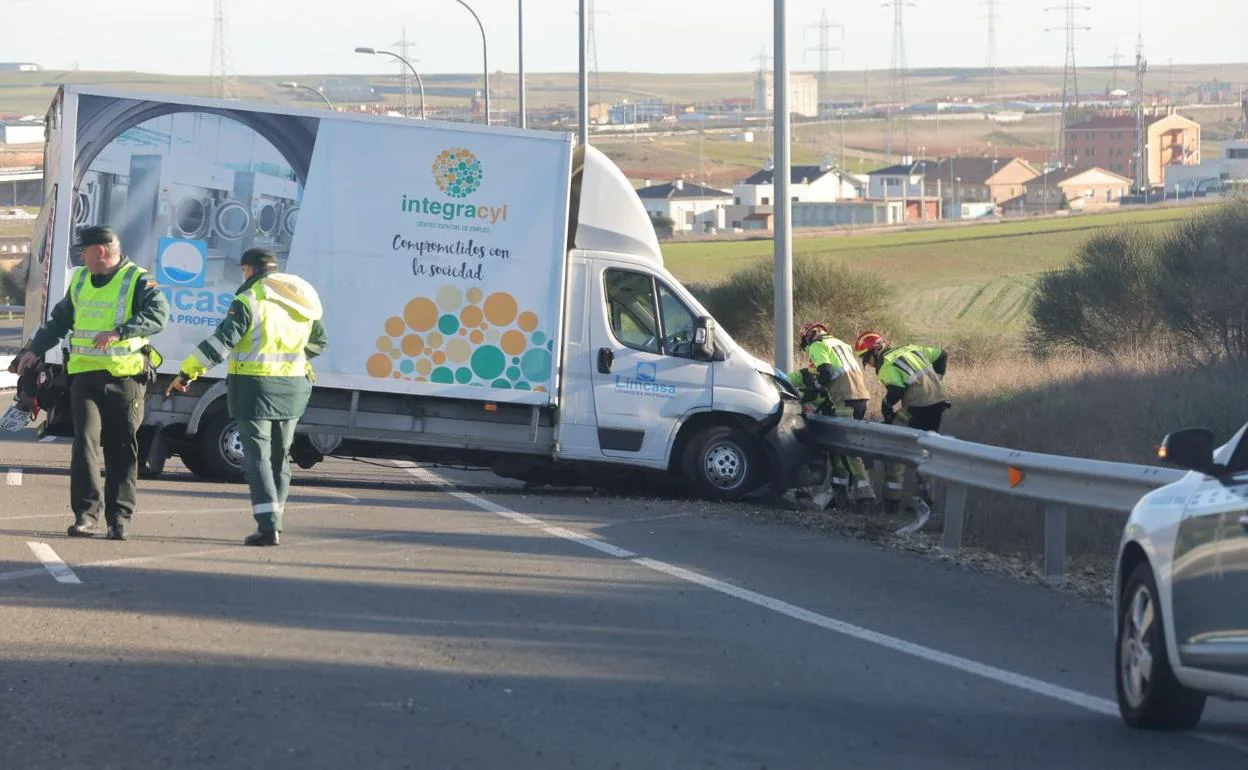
1136 653
232 445
725 465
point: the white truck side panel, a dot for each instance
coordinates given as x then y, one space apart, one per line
437 249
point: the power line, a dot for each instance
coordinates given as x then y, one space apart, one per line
1070 73
897 77
825 48
991 91
592 45
224 84
403 44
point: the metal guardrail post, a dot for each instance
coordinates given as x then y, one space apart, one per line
1054 544
955 509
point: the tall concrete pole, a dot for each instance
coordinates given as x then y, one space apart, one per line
582 133
783 208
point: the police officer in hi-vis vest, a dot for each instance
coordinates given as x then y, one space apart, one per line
271 331
111 309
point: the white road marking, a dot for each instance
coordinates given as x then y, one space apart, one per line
1029 684
14 477
59 569
48 439
240 508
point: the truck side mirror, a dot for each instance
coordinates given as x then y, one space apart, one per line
704 339
1191 448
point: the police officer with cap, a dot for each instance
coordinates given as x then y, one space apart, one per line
272 330
111 309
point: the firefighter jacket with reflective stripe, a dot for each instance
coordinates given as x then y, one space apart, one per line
104 309
910 367
849 381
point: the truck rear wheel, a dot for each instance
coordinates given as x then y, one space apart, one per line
722 463
221 444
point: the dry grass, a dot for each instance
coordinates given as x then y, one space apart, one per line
1105 409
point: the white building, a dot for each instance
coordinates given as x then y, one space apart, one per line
1212 173
803 94
821 184
21 132
685 203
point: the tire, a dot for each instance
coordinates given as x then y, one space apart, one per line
722 463
149 467
222 448
1149 695
194 462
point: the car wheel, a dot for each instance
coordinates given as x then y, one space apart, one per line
722 463
1149 695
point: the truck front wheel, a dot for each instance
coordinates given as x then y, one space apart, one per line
722 463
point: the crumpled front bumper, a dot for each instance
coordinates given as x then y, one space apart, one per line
791 457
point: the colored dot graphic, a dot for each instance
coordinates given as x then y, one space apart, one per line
465 338
457 172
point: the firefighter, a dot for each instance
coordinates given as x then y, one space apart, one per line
838 375
912 376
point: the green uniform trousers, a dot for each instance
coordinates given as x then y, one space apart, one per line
107 412
266 463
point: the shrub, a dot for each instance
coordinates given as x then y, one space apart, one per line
847 301
1202 282
1104 301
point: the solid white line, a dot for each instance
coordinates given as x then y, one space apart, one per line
14 477
59 569
966 665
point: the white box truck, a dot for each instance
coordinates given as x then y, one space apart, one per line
493 297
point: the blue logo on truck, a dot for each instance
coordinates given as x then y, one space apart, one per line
181 262
645 382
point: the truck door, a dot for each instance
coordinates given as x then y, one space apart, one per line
645 378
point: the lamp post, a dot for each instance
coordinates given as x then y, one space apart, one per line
485 58
524 117
292 84
419 82
582 98
783 276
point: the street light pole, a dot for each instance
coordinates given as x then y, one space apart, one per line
403 59
524 118
485 58
324 98
582 130
783 278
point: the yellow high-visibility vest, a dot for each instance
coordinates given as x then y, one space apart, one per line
103 310
274 345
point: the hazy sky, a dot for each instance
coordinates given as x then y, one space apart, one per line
299 36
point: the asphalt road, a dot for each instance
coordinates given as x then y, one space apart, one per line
411 620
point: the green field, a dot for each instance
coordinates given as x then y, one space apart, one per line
973 278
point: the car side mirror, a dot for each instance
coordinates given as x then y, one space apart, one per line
704 338
1191 448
